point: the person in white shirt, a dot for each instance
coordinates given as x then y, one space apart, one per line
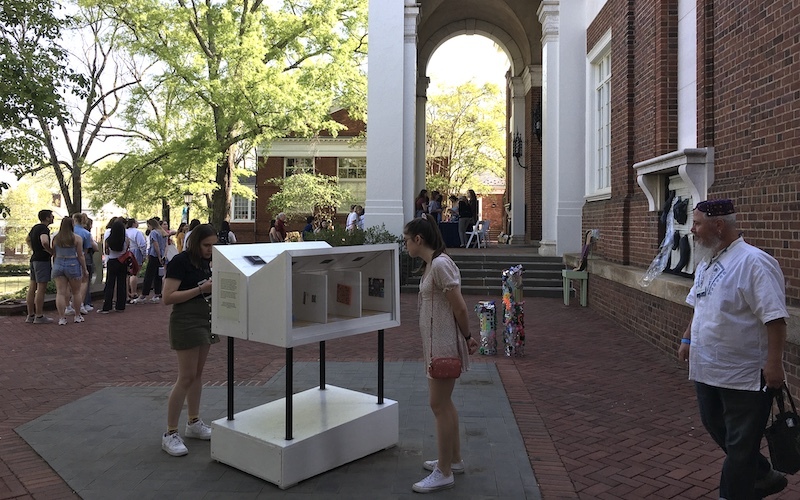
352 218
734 346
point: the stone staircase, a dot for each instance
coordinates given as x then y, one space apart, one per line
481 274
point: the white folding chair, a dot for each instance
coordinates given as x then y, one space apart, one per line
475 233
483 237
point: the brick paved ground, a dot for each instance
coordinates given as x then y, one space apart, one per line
603 414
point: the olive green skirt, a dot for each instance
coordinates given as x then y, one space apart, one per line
190 325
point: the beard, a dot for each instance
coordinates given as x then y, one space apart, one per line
705 251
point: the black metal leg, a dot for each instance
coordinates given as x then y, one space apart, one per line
289 384
380 367
230 378
322 365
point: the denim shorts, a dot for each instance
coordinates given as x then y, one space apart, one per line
70 268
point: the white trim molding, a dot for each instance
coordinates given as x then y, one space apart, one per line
695 167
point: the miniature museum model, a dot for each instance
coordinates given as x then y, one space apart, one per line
292 294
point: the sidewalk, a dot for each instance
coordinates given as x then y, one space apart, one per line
601 414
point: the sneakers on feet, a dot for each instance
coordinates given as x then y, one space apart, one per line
139 300
103 311
62 321
773 482
155 300
30 318
42 320
198 430
84 310
78 318
456 468
89 308
173 444
69 311
434 482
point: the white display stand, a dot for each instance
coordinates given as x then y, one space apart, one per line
291 294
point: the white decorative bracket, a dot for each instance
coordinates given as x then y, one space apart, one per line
695 167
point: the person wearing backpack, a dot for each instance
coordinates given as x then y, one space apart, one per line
225 235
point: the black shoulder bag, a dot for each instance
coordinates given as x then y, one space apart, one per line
783 435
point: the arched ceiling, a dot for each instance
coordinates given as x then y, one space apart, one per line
512 24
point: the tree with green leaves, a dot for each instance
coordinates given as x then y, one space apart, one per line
33 75
24 201
232 75
301 194
464 136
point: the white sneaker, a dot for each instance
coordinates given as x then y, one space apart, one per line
88 309
62 321
173 444
434 482
78 318
198 430
455 468
69 311
155 300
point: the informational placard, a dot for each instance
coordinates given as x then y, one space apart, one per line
230 295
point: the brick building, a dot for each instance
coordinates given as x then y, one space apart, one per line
616 103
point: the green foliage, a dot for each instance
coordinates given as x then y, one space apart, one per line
301 194
23 292
32 71
338 237
24 202
227 76
14 269
465 131
376 235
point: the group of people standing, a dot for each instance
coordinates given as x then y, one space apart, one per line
463 210
66 259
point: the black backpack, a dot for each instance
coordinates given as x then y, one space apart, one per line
222 238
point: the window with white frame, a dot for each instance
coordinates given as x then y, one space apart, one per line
293 166
352 173
244 209
599 158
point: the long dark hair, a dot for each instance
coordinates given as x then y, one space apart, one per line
198 234
116 238
428 229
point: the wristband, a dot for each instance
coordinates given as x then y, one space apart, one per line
686 341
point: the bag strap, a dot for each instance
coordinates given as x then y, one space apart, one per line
458 344
780 399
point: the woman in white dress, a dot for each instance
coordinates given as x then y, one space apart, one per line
444 329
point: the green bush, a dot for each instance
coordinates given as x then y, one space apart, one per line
23 292
339 237
14 269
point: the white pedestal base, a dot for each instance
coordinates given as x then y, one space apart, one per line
330 428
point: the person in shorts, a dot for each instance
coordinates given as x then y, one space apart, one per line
39 241
188 289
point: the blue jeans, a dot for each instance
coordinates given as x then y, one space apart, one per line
736 420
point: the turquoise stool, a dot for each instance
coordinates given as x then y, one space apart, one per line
582 276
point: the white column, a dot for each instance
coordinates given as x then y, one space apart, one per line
390 114
422 102
411 176
548 16
564 134
517 181
687 74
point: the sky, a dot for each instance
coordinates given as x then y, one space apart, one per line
467 57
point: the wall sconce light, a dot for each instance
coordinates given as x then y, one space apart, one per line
536 121
516 149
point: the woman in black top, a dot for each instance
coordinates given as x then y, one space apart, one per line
188 287
465 219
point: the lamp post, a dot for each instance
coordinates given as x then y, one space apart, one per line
187 200
516 150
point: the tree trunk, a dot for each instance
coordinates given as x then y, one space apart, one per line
221 199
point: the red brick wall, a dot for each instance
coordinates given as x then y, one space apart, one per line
533 172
